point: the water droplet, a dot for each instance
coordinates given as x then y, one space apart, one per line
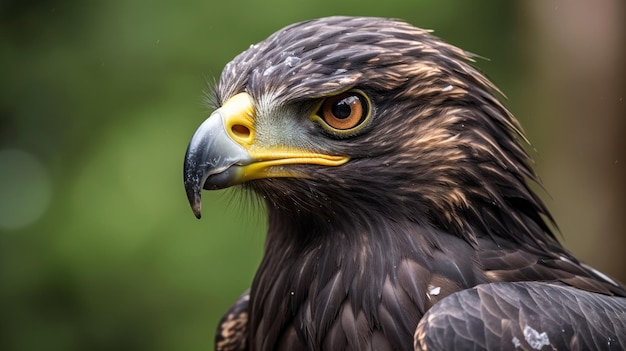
433 290
292 61
516 342
535 339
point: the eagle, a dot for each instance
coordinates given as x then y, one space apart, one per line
400 201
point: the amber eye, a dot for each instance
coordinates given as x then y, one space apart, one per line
344 112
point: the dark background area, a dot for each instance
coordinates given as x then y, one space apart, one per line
98 247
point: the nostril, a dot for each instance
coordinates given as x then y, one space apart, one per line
240 131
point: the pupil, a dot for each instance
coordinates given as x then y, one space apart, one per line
342 109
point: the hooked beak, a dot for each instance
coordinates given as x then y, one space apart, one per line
224 151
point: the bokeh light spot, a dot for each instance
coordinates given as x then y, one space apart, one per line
25 189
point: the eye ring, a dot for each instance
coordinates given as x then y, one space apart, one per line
344 113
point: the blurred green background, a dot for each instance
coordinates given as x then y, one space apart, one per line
98 247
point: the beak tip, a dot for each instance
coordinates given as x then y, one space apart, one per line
194 195
197 209
195 200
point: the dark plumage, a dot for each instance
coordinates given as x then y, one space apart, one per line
395 186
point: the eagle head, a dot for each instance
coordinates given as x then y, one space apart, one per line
339 119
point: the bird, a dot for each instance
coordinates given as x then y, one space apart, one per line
400 201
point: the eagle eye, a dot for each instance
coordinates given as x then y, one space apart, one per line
344 113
